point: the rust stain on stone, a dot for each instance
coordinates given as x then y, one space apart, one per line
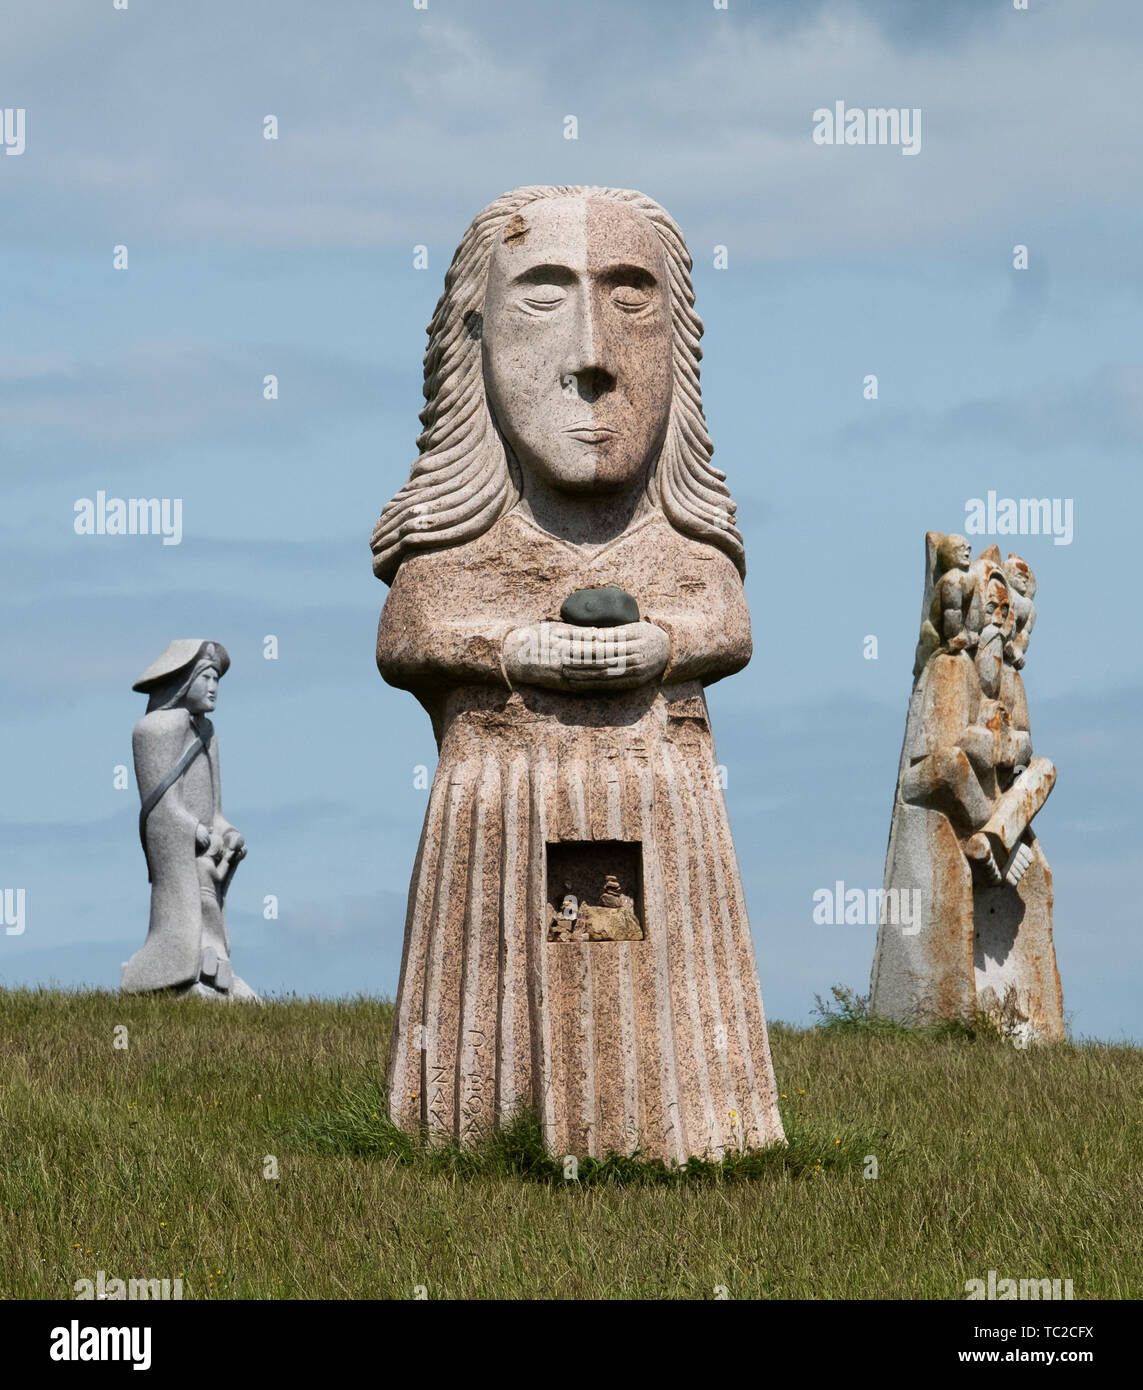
516 230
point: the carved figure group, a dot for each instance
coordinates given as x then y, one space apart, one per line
968 790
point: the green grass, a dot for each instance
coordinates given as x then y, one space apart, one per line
148 1163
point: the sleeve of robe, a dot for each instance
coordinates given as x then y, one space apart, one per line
422 639
709 630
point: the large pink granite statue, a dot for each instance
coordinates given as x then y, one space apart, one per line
566 578
968 788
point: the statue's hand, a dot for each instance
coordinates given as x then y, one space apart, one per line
565 656
202 838
234 842
534 655
618 658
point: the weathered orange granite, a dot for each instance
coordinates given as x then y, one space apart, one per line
968 789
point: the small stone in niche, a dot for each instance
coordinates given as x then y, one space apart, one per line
611 924
612 919
597 923
612 892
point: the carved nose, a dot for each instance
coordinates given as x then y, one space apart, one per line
589 366
589 383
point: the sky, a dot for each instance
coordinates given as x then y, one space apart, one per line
144 129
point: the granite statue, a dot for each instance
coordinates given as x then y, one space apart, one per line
565 578
968 789
191 849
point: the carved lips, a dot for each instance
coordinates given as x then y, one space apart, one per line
590 434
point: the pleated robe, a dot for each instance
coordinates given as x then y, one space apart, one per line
658 1046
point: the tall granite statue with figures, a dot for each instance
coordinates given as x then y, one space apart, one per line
566 578
968 789
190 847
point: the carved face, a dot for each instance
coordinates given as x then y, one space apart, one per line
998 605
202 696
954 553
577 343
1019 574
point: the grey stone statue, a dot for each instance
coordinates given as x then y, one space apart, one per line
191 849
968 789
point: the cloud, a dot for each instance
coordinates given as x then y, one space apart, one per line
160 391
1102 411
397 126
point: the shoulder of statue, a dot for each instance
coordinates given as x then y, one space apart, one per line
689 550
163 724
450 559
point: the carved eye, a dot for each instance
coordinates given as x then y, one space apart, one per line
545 297
630 298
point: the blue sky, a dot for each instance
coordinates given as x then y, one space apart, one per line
295 257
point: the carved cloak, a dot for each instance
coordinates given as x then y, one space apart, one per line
170 956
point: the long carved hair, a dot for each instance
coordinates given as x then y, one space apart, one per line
464 478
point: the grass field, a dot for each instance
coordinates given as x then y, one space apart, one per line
148 1162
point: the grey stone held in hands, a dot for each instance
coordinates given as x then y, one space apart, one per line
606 606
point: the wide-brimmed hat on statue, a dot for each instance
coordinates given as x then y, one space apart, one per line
168 678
